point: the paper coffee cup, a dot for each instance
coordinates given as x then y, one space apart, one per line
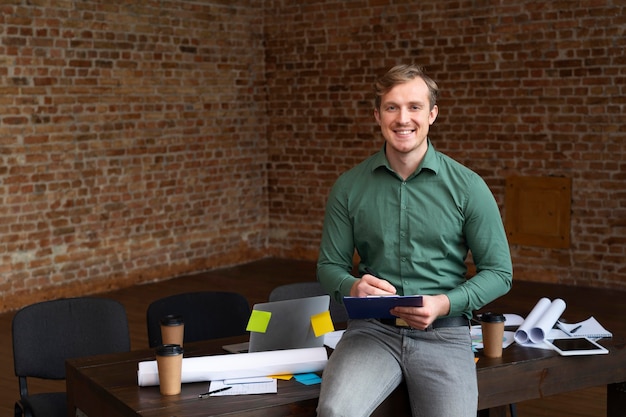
172 329
170 365
492 326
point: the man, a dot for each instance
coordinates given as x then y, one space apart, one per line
412 214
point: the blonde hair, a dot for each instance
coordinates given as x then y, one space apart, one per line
401 74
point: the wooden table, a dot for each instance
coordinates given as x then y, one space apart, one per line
107 385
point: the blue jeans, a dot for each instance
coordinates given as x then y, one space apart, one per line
372 359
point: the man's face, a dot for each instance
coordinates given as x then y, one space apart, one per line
405 117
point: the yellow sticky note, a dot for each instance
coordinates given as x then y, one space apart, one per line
282 377
259 320
322 323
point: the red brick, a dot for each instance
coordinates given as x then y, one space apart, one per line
141 142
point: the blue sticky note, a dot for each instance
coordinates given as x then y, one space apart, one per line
308 379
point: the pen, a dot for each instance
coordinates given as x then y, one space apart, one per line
575 329
206 394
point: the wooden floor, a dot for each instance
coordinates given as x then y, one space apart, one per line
255 281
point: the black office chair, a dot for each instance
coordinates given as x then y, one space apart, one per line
309 289
46 334
207 315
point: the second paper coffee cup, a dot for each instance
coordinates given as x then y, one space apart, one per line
172 329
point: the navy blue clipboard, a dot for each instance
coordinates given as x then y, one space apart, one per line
378 307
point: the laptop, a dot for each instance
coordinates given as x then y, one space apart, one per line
289 326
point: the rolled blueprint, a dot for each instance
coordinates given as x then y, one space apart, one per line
540 321
240 365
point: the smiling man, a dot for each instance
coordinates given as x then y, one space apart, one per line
413 215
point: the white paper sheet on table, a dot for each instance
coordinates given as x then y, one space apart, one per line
241 365
476 331
513 319
331 339
248 388
477 338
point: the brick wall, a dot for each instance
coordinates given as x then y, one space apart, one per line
132 143
144 140
529 88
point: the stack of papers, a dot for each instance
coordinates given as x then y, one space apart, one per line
257 385
243 386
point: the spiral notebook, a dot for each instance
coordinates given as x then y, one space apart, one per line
590 328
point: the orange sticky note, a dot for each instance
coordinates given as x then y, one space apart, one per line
322 323
259 320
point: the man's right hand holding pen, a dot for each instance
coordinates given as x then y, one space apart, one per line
371 284
433 306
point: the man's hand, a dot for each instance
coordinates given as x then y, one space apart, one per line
370 285
433 306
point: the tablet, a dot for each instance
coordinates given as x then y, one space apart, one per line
577 346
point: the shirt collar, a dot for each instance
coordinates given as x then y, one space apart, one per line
430 161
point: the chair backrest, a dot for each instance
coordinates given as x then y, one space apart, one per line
207 315
309 289
46 334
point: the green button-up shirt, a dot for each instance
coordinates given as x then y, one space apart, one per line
416 234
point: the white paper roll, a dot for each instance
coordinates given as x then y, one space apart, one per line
240 365
541 319
543 326
522 335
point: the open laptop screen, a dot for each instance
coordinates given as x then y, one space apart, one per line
289 326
